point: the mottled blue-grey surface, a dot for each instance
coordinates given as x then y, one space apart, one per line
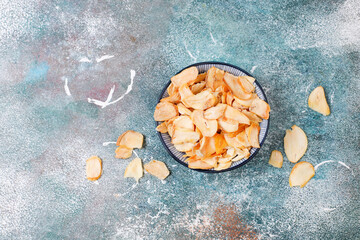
47 133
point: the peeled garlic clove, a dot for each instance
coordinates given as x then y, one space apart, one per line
301 173
317 101
295 144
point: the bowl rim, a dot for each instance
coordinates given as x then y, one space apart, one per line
230 168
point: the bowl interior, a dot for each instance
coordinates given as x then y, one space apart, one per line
264 125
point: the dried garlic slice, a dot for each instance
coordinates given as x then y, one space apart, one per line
165 111
208 128
157 169
276 159
130 139
183 110
301 173
223 166
295 143
317 101
162 128
260 108
185 77
123 152
236 88
134 170
93 168
215 112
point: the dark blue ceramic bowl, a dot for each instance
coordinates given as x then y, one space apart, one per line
264 125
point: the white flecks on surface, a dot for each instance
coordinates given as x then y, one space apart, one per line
121 194
318 165
200 206
253 69
190 54
98 59
105 57
328 209
212 38
339 162
20 203
332 98
266 89
342 29
135 153
308 87
95 182
108 143
66 87
162 211
85 59
108 100
342 163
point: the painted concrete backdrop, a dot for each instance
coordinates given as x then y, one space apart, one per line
59 61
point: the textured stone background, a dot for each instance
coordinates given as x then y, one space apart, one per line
290 47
